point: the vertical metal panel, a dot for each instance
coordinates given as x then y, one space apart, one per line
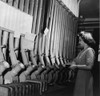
59 31
31 6
1 55
70 41
26 6
73 36
63 35
35 15
64 40
21 5
42 25
41 39
52 23
62 31
4 42
49 25
56 35
16 3
75 31
61 25
16 44
68 37
71 46
70 30
53 33
38 23
56 38
10 2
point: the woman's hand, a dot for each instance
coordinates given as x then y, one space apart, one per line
73 65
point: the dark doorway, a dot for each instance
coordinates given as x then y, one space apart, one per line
96 63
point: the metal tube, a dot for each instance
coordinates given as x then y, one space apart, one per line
12 55
38 23
1 54
56 44
16 44
26 6
64 40
41 40
16 3
67 36
10 2
33 53
23 54
31 7
61 35
52 36
58 32
35 13
4 42
21 5
49 21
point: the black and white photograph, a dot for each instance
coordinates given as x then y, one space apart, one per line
49 48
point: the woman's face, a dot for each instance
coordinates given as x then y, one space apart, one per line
81 42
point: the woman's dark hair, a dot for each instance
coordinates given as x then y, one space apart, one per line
87 38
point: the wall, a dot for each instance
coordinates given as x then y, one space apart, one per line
73 6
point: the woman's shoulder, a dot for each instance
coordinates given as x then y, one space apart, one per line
90 51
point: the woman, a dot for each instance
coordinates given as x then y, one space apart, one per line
84 63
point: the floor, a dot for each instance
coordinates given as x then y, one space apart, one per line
60 90
67 89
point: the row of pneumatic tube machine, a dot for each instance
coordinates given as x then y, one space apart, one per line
28 67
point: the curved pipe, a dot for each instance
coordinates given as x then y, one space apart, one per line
25 57
4 42
23 53
1 54
40 50
16 65
11 50
15 70
30 69
3 66
16 46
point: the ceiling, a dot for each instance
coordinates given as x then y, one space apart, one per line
89 8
